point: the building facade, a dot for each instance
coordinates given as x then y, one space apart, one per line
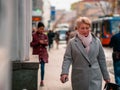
95 8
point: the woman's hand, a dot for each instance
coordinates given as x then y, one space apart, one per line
107 81
64 78
41 41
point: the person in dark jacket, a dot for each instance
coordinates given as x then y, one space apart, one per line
57 35
50 38
39 43
115 43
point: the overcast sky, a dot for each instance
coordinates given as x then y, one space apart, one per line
62 4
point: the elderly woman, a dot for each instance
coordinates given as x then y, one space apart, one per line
87 57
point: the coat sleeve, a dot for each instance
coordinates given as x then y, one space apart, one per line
102 62
45 41
35 41
67 59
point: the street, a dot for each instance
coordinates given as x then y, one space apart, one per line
53 68
19 21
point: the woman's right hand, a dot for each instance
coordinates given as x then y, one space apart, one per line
41 41
64 78
107 81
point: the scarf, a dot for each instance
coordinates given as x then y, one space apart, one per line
86 41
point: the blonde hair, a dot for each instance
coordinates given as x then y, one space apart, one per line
84 20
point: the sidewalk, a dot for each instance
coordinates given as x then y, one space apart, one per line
53 70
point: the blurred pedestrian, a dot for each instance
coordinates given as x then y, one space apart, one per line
115 43
67 36
87 57
73 34
57 39
50 38
39 43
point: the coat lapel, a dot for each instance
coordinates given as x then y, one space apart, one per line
90 51
81 49
92 47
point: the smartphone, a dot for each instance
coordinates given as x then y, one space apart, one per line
66 79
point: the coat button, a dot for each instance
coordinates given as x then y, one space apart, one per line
89 65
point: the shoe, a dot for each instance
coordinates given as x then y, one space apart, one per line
41 84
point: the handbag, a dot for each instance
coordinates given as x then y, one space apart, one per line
111 86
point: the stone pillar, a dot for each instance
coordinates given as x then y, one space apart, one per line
14 44
21 30
15 33
6 17
24 28
24 74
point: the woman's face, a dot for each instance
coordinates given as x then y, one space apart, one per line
84 29
41 29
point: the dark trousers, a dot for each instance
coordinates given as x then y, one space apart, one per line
116 65
42 68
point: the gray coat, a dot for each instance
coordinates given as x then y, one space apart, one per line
87 69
